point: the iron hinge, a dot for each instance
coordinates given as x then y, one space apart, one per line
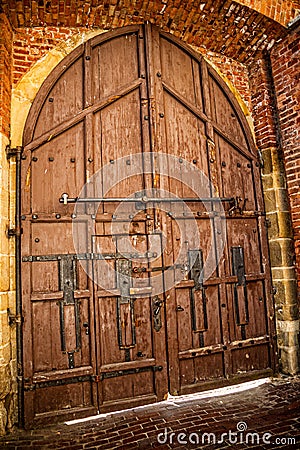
13 318
12 232
11 152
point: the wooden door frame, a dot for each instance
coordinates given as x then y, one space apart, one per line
103 37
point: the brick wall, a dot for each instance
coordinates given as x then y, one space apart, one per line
286 72
5 73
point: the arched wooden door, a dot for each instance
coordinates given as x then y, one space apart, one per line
129 292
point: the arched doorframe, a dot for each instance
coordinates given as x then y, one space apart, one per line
27 88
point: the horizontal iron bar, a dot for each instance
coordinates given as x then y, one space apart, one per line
88 256
146 200
85 378
119 373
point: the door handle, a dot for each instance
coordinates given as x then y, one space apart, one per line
157 305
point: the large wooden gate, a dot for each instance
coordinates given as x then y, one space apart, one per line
144 256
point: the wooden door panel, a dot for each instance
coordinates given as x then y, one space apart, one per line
58 167
115 65
242 184
181 72
64 100
224 113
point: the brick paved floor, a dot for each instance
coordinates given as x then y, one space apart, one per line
271 410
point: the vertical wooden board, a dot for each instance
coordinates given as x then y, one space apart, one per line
257 310
121 136
244 232
115 64
225 114
83 358
143 329
59 358
42 333
104 274
185 134
213 335
184 323
64 101
187 372
242 184
50 179
178 70
108 328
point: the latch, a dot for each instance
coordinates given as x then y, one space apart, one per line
156 309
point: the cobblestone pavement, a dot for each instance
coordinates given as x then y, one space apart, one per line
264 417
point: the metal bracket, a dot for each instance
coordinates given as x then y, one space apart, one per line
13 318
13 232
11 152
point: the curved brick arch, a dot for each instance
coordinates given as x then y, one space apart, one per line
275 10
231 28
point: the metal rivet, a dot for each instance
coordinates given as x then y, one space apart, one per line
148 216
36 240
249 165
72 160
114 216
73 216
238 164
170 214
35 216
158 74
223 164
87 57
257 164
211 160
223 305
128 162
34 158
146 117
111 161
51 99
131 216
93 216
23 156
57 216
224 347
51 158
199 213
161 115
194 161
90 160
180 160
23 217
143 76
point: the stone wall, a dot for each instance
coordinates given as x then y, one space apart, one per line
7 295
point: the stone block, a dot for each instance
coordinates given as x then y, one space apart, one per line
4 302
4 273
5 381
